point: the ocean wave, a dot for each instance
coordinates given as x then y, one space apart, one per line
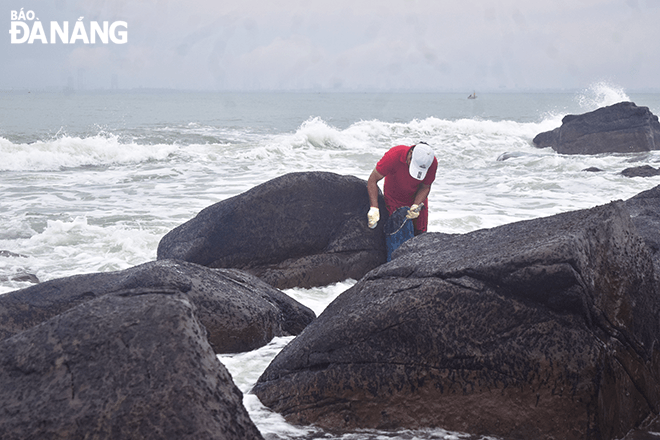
363 135
376 137
73 152
317 133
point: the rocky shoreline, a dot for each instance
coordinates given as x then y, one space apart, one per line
546 328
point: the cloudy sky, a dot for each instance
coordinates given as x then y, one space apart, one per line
443 45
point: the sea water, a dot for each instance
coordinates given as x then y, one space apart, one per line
91 181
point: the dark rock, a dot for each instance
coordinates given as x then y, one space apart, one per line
644 210
9 254
515 154
240 311
25 277
540 329
592 170
509 155
123 366
642 171
619 128
298 230
21 277
547 139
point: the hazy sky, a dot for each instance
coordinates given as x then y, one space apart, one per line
457 45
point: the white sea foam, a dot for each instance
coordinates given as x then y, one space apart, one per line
601 94
89 248
73 152
245 369
318 299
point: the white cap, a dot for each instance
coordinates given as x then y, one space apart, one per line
422 158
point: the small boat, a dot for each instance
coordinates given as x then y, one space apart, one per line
473 95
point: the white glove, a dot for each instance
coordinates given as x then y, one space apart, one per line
373 216
413 212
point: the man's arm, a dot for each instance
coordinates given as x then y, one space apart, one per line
422 193
373 216
372 187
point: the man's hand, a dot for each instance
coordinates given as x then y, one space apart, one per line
373 216
413 212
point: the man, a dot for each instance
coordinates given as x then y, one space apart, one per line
409 173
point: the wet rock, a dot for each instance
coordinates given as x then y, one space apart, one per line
20 277
619 128
509 155
123 366
9 254
644 210
299 230
239 311
641 171
593 170
539 329
25 277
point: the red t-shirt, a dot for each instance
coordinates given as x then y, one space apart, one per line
400 187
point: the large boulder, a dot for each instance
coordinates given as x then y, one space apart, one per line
619 128
239 311
125 366
298 230
546 328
